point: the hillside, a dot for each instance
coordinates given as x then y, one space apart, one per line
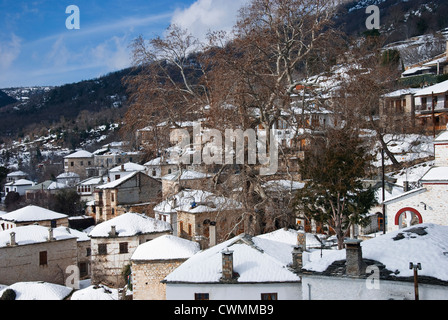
97 101
399 19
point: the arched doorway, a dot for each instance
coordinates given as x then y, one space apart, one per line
407 217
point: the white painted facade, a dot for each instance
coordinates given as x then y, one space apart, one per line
240 291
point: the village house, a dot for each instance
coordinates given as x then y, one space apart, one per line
16 175
32 215
202 216
112 155
43 190
68 179
36 253
398 108
154 260
119 196
160 167
381 268
78 162
125 169
87 187
114 241
428 202
242 268
20 186
189 179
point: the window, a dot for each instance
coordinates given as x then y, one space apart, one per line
72 164
181 226
53 223
269 296
88 252
82 163
123 247
189 229
102 248
201 296
112 199
43 258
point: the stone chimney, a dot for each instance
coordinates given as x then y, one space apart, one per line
50 234
301 240
297 258
12 241
212 233
113 231
227 265
122 167
355 266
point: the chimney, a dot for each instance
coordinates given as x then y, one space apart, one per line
354 263
227 265
122 167
13 239
50 234
297 258
212 233
301 240
113 231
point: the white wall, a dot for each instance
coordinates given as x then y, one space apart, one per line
219 291
337 288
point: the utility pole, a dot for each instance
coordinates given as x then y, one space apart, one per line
384 190
416 267
433 116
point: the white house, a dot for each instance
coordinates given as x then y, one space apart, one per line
427 203
379 268
20 186
32 215
124 170
242 268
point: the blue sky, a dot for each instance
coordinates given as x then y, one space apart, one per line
37 49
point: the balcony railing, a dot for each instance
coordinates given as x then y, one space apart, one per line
441 105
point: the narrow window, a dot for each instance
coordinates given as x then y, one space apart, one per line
102 248
43 258
123 247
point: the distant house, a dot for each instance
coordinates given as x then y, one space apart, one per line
242 268
160 167
114 241
78 162
36 253
32 215
20 186
152 261
125 169
112 155
86 188
398 107
16 175
69 179
119 196
191 179
379 268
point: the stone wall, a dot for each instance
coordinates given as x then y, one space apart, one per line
147 277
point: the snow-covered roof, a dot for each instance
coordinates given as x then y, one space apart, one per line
438 88
130 224
289 236
82 236
166 247
400 92
186 175
32 234
116 183
255 260
129 166
96 292
425 243
442 137
38 290
79 154
20 182
68 175
195 201
32 213
411 71
17 174
438 174
283 185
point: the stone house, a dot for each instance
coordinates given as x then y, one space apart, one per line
188 179
242 268
154 260
431 104
36 253
114 241
202 216
380 268
78 162
117 197
32 215
159 167
124 169
16 175
427 203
